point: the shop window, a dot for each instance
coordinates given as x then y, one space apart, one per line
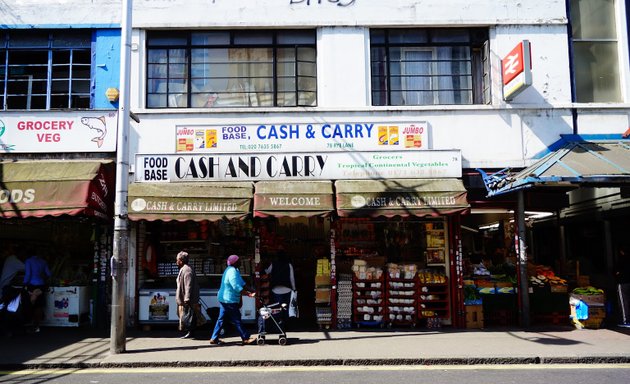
595 51
429 66
231 69
41 70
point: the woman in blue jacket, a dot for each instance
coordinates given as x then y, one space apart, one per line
229 296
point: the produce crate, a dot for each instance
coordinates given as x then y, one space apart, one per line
596 316
590 300
474 316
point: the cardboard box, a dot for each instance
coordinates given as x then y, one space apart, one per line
474 316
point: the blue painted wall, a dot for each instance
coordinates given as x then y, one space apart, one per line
105 66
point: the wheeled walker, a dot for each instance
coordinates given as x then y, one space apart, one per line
271 321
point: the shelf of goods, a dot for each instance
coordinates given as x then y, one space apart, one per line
344 301
323 310
368 301
433 296
401 295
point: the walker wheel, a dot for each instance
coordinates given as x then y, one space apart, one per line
260 341
282 341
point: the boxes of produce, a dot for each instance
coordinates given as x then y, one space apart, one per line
591 296
474 316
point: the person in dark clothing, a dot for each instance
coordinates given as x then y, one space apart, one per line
622 275
282 280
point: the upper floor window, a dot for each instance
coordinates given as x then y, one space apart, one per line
429 66
595 55
45 69
231 69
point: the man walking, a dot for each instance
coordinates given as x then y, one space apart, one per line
187 294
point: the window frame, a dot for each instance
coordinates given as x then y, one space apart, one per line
240 78
394 39
52 69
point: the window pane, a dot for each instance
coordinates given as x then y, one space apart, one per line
296 37
210 38
450 36
252 38
596 72
593 19
408 36
166 39
72 39
28 39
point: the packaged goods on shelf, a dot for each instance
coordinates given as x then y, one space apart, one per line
344 301
428 276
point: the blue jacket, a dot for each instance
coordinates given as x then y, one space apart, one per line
231 286
36 271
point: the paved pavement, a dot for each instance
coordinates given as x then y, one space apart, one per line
79 348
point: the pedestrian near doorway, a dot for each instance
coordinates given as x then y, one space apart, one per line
36 276
622 276
282 281
187 297
229 297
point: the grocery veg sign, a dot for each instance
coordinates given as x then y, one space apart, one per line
517 70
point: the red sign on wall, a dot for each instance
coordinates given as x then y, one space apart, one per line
516 70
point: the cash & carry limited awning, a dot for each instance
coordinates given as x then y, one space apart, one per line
189 201
400 197
38 188
293 198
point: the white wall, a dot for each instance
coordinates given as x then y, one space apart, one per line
295 13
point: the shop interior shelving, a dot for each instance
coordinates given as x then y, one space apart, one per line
368 302
401 301
433 300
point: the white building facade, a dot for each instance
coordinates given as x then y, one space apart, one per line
314 90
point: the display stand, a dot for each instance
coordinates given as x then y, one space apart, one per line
433 299
368 301
323 310
401 296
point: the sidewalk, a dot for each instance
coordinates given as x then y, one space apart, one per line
81 348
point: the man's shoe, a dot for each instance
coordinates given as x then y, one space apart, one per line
216 342
188 335
251 340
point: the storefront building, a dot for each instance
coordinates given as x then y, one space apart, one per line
350 135
57 145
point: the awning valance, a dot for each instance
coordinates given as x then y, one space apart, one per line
189 201
400 197
293 198
580 163
38 188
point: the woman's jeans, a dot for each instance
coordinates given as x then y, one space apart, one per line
231 312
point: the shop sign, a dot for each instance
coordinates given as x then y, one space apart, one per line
292 202
51 132
298 166
302 137
517 70
158 306
189 205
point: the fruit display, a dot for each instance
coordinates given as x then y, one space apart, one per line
587 291
543 275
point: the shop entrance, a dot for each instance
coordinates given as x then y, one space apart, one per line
304 241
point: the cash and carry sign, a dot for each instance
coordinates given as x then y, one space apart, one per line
298 166
517 70
302 137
